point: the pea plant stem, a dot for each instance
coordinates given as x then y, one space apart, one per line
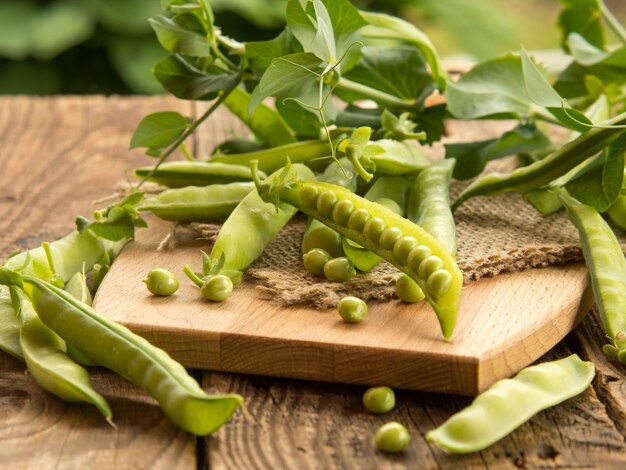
613 23
376 95
216 104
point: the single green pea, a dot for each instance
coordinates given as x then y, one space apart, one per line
417 255
352 309
389 238
374 228
438 283
392 437
379 400
314 261
342 211
339 269
326 202
408 291
217 288
309 195
161 282
403 247
358 219
429 266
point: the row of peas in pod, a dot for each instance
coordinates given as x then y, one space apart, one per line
401 215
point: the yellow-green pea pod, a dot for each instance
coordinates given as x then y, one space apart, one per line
416 253
178 174
408 291
77 287
309 152
617 212
119 349
509 403
197 203
251 226
544 200
429 203
45 355
607 269
362 259
9 326
542 172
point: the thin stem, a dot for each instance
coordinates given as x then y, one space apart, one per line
613 22
193 276
375 95
188 132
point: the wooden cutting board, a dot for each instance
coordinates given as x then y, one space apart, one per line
505 323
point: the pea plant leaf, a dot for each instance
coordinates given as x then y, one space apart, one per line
303 121
583 17
260 54
400 71
472 157
599 183
587 54
291 76
159 130
182 34
185 81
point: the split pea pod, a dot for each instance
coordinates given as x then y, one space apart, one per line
9 326
509 403
429 203
197 203
178 174
607 269
117 348
78 288
408 247
309 152
542 172
45 356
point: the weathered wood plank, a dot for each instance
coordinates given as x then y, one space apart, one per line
296 424
58 155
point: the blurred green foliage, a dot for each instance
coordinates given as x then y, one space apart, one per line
107 46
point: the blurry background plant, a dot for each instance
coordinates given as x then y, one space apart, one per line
107 46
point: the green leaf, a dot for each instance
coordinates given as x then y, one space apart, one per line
305 122
133 58
582 17
266 124
124 16
260 54
182 34
117 226
9 277
400 127
291 76
587 54
347 23
185 81
399 71
472 157
431 121
600 182
159 130
541 92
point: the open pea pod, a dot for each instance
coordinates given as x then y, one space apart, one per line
390 236
9 326
178 174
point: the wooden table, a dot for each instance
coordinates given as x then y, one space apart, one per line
57 156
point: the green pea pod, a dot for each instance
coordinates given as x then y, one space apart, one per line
415 252
395 158
9 326
544 171
196 203
78 288
119 349
177 174
617 212
607 269
251 226
310 152
45 355
429 203
509 403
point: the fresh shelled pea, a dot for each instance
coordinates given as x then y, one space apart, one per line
128 354
339 269
379 400
197 203
161 282
315 260
392 437
509 403
352 309
607 269
416 252
408 291
217 288
178 174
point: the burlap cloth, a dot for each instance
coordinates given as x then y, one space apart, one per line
495 234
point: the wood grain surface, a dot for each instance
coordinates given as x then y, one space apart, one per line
505 323
59 154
